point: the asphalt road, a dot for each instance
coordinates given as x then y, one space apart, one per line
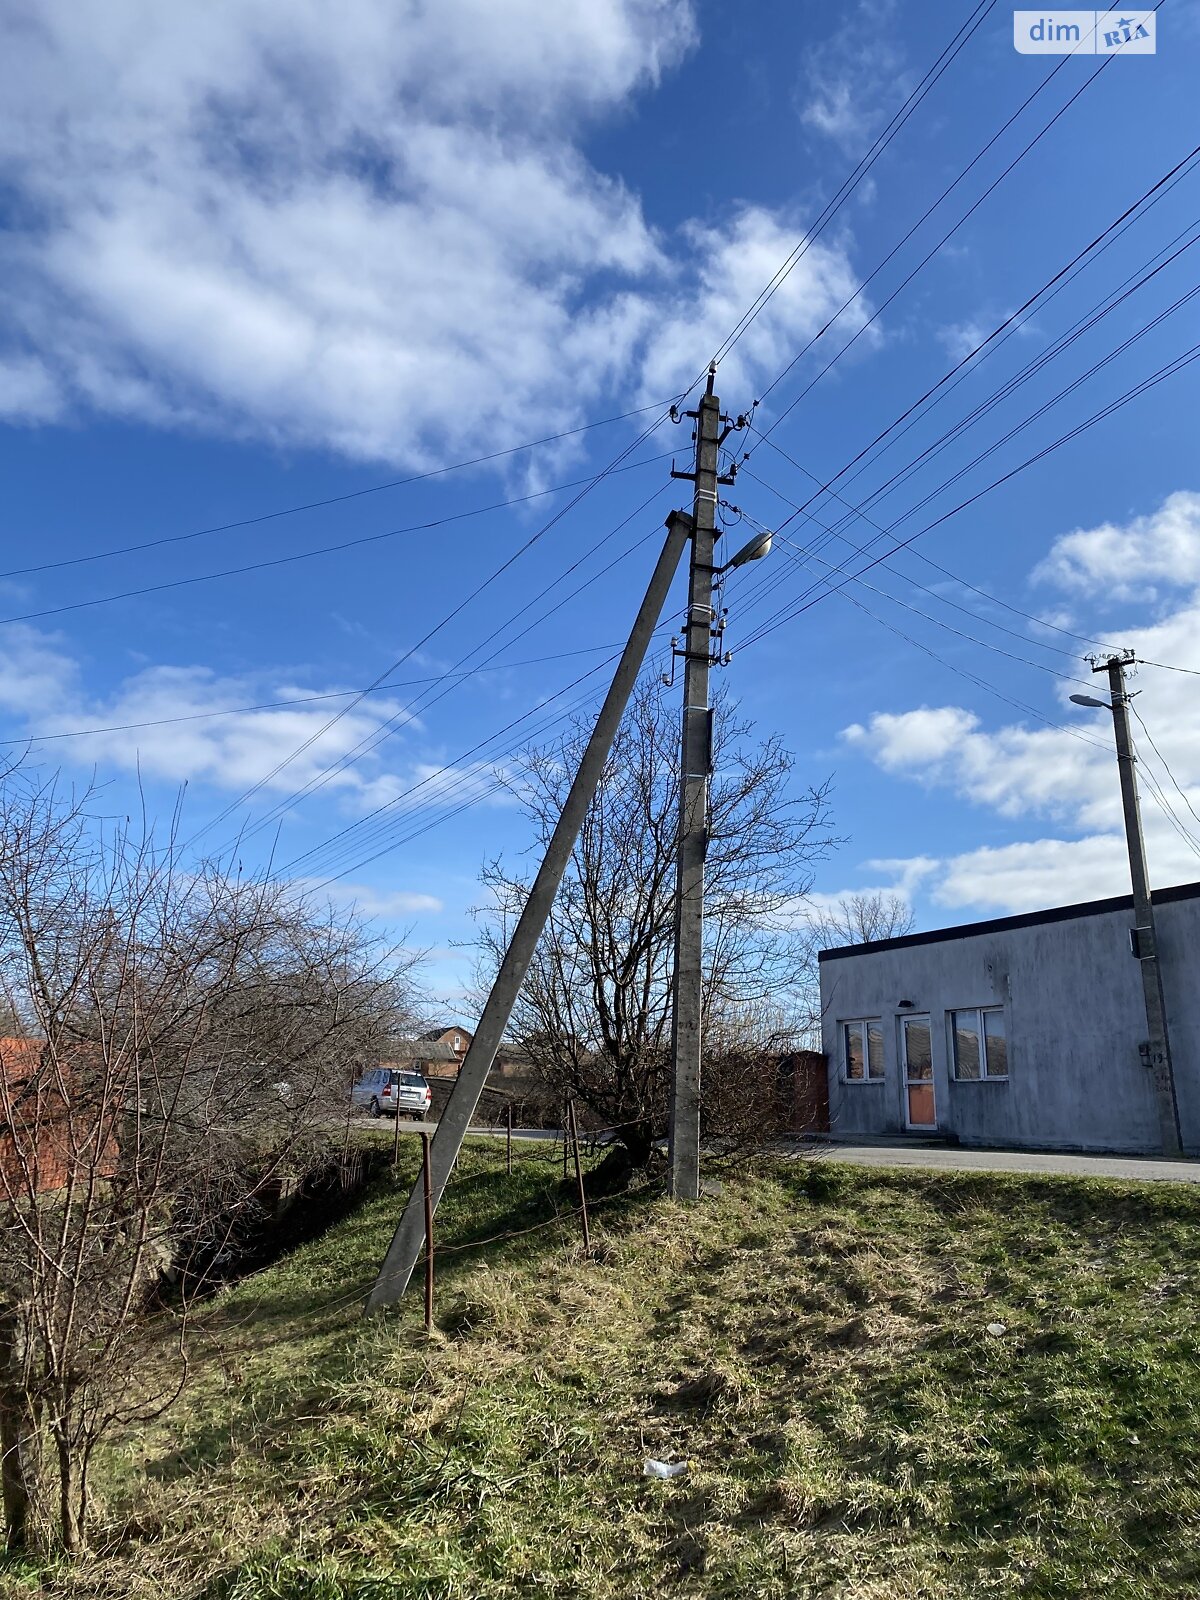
951 1158
933 1158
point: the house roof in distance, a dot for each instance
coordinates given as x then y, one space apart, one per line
19 1059
1027 919
424 1049
446 1027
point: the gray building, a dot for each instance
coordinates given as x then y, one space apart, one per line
1022 1031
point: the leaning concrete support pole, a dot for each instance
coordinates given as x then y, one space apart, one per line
409 1237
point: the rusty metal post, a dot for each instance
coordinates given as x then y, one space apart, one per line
566 1137
396 1138
587 1236
508 1137
427 1184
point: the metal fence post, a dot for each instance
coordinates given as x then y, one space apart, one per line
427 1184
508 1138
587 1236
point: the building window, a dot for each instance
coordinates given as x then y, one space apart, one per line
980 1044
862 1050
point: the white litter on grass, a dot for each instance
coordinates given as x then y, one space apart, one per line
665 1469
997 1329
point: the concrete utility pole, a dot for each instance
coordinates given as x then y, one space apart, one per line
696 762
456 1118
1144 937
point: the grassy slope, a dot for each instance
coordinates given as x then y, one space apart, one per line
814 1342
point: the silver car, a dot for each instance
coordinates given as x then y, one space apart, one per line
392 1091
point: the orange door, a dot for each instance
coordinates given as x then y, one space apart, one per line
916 1052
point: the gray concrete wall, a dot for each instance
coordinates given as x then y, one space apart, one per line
1072 998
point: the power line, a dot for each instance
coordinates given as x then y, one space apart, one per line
386 837
999 335
940 65
485 583
984 644
1159 376
945 237
363 827
997 444
373 740
971 677
1092 248
1003 391
299 700
1167 667
330 500
1166 767
945 600
850 183
1155 791
320 550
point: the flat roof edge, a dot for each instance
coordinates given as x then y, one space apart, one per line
1025 919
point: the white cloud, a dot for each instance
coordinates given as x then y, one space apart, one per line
1129 561
855 78
372 230
1014 771
1049 774
44 690
28 391
386 904
1036 873
735 263
961 338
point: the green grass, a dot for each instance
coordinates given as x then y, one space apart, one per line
814 1343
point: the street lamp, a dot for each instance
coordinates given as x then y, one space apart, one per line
1090 700
754 551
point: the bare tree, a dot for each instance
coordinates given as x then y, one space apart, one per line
856 918
189 1035
860 918
594 1013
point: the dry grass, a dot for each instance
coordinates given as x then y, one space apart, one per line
814 1343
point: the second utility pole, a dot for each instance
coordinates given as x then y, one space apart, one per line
1145 937
686 1022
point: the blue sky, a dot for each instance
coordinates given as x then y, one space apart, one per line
261 257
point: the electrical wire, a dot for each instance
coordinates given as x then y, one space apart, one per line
991 449
1160 375
960 633
971 677
380 830
851 182
331 500
390 837
319 550
443 622
1004 391
988 347
376 737
1167 667
939 66
924 588
1046 127
1182 792
1155 791
37 737
1050 286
